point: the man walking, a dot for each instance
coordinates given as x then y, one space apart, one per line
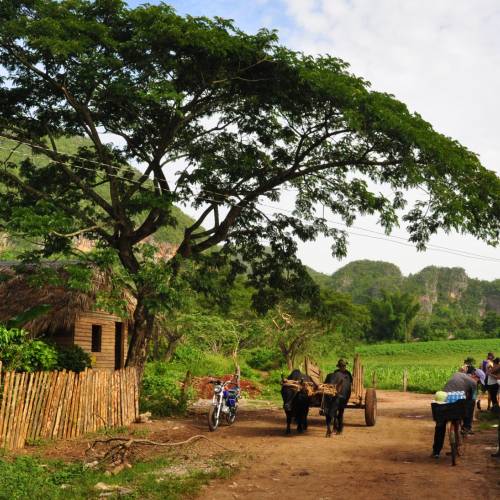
492 384
495 372
334 406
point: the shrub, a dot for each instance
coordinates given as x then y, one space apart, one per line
19 352
200 363
73 358
264 358
161 392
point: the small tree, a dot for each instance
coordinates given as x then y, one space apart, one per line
292 334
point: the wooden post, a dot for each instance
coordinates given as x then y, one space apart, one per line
38 405
23 427
405 380
5 392
9 423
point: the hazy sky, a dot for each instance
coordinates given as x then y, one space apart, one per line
440 57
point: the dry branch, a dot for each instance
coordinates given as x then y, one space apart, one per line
117 454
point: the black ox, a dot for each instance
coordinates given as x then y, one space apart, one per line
333 406
296 402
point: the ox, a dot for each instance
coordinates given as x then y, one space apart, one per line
296 402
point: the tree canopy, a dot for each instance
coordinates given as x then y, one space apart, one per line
220 120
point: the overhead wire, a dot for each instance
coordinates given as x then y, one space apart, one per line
383 237
380 236
78 167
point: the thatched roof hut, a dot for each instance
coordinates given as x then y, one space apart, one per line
72 316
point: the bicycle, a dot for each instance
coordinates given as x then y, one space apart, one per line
453 414
456 440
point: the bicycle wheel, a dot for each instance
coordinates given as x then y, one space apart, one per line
454 436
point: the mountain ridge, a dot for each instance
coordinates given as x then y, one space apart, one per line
366 280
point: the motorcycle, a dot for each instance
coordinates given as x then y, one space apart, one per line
224 403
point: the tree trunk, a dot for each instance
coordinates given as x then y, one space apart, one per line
141 335
286 353
156 344
171 347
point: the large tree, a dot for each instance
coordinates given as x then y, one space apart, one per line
244 116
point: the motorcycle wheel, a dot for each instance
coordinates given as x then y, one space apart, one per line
213 419
231 417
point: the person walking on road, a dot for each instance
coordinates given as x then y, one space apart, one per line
492 384
495 372
488 362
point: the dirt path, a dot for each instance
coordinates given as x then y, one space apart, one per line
390 460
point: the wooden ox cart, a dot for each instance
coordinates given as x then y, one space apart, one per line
361 398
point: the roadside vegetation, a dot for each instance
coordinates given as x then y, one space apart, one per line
429 364
158 478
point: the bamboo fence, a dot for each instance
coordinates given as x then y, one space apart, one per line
64 404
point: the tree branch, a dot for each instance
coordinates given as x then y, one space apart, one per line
76 233
41 195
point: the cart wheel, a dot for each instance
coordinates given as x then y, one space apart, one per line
370 407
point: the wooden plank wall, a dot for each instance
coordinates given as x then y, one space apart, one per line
83 337
63 404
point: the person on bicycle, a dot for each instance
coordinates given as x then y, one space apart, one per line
458 382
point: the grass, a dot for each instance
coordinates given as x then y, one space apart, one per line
429 364
34 478
488 420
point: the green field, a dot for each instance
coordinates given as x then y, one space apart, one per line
429 364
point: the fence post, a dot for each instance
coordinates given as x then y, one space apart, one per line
405 380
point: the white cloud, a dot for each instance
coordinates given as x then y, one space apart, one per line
442 58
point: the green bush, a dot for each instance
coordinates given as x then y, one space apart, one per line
73 358
200 363
271 385
161 392
19 352
264 358
26 477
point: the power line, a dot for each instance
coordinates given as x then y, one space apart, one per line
394 237
219 194
79 167
384 234
380 236
65 153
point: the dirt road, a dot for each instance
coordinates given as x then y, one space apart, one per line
391 460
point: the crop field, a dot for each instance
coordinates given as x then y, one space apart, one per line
429 364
